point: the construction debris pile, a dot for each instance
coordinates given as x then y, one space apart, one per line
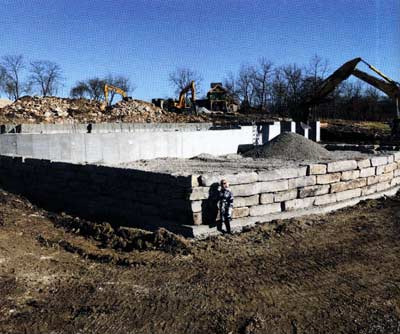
290 146
34 109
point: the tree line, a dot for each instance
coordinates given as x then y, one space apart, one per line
43 77
259 87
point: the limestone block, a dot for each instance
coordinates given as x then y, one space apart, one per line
348 194
395 181
282 196
314 190
396 172
350 175
386 168
365 163
246 201
383 185
325 199
272 186
283 173
267 198
196 206
240 212
197 218
396 156
246 189
199 193
299 203
328 178
340 166
316 169
369 171
343 186
379 178
302 181
390 158
239 178
379 161
260 210
195 180
369 190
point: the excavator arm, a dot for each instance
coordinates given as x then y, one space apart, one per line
108 88
181 102
387 86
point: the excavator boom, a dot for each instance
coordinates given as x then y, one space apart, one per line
387 86
115 89
181 102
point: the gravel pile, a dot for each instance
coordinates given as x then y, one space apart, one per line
289 146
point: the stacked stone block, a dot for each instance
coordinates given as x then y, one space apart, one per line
188 204
263 193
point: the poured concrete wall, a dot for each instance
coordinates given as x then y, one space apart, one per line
116 148
101 127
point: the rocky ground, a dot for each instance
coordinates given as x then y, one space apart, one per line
337 273
35 109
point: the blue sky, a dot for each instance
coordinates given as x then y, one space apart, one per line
146 40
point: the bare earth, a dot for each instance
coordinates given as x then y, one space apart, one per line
337 273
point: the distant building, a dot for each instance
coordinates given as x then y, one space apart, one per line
219 99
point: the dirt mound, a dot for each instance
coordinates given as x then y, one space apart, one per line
124 238
34 109
290 146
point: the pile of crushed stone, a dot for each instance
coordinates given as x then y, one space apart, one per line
289 146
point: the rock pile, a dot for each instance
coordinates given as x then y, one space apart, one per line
290 146
34 109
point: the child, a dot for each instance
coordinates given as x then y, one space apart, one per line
225 205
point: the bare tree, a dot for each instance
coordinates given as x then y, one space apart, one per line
45 75
245 85
230 84
262 82
12 67
93 88
80 90
182 77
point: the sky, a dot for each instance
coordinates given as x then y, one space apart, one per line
146 40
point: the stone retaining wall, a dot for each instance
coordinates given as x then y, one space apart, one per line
288 192
187 204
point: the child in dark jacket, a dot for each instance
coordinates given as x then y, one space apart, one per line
225 205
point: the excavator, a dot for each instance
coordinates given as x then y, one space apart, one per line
388 86
108 88
182 105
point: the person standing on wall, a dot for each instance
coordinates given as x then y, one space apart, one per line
225 205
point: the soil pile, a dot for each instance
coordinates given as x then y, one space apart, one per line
34 109
290 146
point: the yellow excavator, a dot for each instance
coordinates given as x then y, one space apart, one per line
182 104
388 86
111 88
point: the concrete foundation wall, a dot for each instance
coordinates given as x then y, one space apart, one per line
116 148
188 204
107 145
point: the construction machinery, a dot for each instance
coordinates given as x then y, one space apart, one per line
182 102
110 88
388 86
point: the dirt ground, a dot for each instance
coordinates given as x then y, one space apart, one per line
337 273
